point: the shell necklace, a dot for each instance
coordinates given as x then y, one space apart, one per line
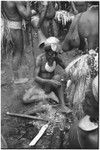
50 68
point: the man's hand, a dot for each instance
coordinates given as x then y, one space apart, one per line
48 82
33 12
75 12
35 21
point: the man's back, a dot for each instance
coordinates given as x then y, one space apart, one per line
10 10
81 6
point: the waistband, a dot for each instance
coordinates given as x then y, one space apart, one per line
14 24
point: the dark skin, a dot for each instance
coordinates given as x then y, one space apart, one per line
16 11
49 57
44 22
91 106
79 7
41 16
47 80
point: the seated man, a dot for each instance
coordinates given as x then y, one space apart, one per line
15 13
84 134
45 78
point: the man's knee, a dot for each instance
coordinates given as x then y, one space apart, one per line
28 95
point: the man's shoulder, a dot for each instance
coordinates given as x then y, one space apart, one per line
39 58
58 58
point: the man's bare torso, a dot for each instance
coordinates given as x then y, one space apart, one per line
11 11
81 6
43 73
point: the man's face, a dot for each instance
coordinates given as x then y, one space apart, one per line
50 55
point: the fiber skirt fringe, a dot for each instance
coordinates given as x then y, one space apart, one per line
80 73
6 27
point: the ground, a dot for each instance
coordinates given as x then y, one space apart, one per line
19 132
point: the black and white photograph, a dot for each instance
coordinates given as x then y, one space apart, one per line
49 74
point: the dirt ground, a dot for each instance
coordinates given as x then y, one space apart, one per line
16 131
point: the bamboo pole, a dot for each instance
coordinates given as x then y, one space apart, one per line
25 116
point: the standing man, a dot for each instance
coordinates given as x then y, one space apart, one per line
14 12
48 9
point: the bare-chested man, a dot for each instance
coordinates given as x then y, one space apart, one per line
45 74
14 12
47 8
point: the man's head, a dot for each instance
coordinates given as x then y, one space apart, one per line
51 47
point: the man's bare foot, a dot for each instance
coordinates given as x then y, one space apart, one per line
20 81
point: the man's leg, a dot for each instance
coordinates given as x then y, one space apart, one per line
60 94
45 28
17 38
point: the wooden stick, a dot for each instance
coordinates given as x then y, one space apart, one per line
39 135
25 116
34 60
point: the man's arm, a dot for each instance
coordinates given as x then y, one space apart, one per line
37 70
38 64
23 10
43 13
74 8
60 62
